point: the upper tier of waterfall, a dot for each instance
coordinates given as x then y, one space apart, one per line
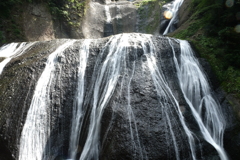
173 10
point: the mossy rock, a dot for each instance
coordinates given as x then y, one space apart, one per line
148 12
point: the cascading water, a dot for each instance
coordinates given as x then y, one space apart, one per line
12 50
115 65
104 86
108 15
77 118
109 115
176 4
120 62
108 26
37 127
165 92
196 90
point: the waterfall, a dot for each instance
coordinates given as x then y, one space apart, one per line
129 96
113 63
108 25
197 93
103 87
176 5
167 99
37 127
107 74
77 117
108 15
12 50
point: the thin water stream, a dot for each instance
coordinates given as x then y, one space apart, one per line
174 11
168 100
104 86
78 113
37 127
197 93
12 50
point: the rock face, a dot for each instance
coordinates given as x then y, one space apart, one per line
126 113
39 21
1 59
38 24
107 18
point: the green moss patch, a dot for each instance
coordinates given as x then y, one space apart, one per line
148 14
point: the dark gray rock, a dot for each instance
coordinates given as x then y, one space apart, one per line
1 59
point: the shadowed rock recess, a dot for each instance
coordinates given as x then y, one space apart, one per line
130 96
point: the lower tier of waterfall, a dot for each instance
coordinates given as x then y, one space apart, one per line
128 96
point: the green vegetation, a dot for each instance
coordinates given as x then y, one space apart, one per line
141 4
148 9
149 14
161 3
8 26
211 30
69 12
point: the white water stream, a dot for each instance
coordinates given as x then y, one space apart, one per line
197 93
104 86
168 101
109 69
12 50
108 15
78 112
174 10
37 127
